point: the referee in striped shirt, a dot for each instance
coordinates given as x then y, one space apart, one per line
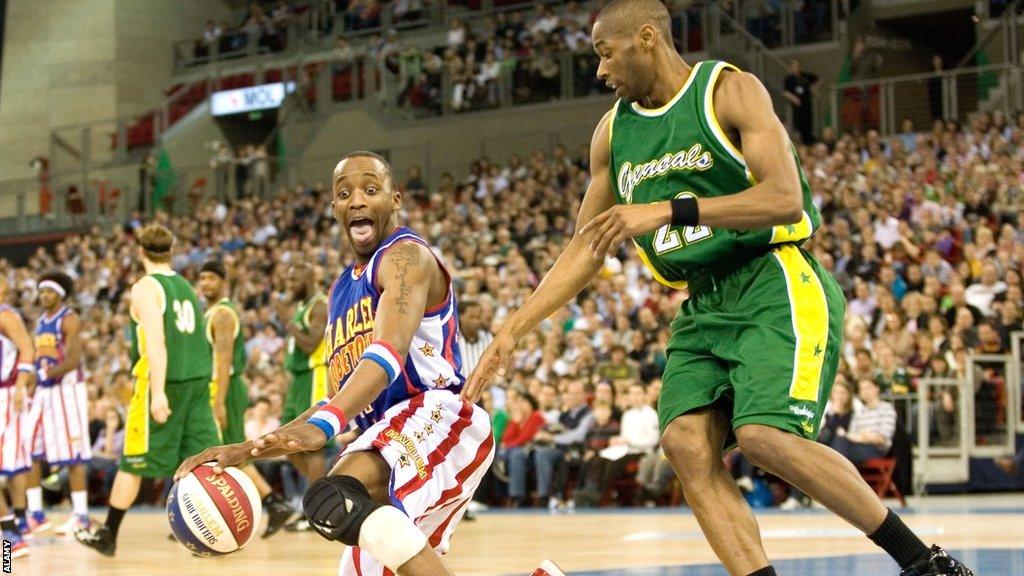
473 338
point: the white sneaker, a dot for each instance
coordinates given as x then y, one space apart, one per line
553 503
746 484
548 568
475 506
74 523
570 504
791 504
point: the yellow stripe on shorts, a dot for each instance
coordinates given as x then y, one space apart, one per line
318 389
136 429
809 311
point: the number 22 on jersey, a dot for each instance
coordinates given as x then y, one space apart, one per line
666 239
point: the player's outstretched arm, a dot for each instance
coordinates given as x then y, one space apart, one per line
743 106
573 271
406 274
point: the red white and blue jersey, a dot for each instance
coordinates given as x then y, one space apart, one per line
51 346
434 361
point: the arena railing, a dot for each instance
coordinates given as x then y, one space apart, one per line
994 414
944 414
1017 376
882 104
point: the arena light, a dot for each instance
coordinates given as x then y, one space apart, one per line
262 97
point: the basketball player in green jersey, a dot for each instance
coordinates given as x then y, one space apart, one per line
693 164
224 333
169 417
306 360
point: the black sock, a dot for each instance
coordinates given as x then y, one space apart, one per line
20 513
114 517
7 524
898 541
766 571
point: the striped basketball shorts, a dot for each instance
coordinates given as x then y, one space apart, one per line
14 457
439 447
59 423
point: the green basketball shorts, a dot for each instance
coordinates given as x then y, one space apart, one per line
763 346
235 403
156 450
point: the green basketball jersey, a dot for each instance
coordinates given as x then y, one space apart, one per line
188 353
238 354
681 150
297 361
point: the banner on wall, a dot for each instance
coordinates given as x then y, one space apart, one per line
262 97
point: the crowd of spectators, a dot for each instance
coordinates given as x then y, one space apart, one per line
924 231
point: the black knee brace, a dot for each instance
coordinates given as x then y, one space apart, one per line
336 507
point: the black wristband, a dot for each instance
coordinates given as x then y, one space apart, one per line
685 211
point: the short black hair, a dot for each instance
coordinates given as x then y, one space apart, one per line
388 172
61 278
628 16
215 267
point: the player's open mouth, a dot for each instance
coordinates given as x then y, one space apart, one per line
361 229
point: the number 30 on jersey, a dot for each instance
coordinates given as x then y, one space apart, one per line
666 239
184 316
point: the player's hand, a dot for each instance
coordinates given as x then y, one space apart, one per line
159 408
609 229
493 362
220 412
219 456
303 437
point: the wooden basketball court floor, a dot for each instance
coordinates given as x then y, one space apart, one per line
986 531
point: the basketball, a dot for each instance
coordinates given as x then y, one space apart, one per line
214 514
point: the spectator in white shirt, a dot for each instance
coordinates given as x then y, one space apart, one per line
639 434
981 294
872 428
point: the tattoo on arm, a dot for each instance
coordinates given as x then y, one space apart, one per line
405 258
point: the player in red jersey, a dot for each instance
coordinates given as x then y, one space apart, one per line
402 485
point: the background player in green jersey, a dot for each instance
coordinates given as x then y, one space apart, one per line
709 189
169 417
224 332
306 359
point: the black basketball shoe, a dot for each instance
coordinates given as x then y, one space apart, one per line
278 513
99 539
938 563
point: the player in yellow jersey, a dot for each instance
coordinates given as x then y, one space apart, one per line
693 165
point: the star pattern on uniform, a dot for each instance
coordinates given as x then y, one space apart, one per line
804 277
817 350
440 382
403 459
420 436
427 350
435 415
429 428
791 228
